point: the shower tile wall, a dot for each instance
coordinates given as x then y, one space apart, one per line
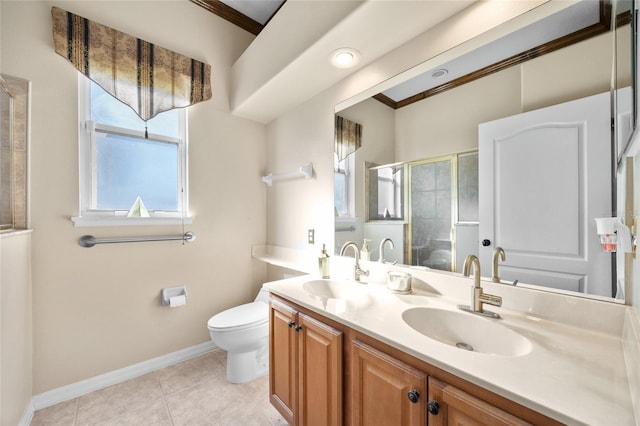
431 214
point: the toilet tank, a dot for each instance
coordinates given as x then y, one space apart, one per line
263 295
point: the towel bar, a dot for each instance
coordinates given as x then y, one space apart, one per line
90 241
305 171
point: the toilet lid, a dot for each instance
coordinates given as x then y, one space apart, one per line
246 315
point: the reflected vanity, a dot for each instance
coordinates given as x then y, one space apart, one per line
422 190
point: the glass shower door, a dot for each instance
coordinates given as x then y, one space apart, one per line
431 193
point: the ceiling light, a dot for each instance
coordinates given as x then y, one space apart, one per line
344 58
439 73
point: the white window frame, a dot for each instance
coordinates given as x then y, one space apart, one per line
349 190
88 131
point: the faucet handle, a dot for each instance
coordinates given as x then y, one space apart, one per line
358 272
491 299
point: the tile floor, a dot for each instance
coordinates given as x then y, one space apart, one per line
191 393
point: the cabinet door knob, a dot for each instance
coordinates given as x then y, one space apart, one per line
413 396
291 323
486 243
433 407
298 327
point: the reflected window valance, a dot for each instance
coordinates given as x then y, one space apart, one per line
348 137
148 78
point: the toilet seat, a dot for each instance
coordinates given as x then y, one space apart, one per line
241 317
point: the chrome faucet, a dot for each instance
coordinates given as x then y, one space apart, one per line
386 240
478 297
497 252
357 272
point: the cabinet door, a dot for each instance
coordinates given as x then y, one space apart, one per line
282 362
456 407
382 387
320 373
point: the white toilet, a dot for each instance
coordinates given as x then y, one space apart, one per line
243 332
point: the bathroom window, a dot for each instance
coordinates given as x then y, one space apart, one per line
125 162
385 194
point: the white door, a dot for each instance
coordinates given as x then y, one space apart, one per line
544 176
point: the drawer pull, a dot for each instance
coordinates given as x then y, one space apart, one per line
413 396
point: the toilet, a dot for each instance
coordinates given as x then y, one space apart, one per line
243 331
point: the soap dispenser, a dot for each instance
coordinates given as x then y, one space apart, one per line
364 252
323 263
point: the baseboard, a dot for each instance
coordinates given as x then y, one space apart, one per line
74 390
27 416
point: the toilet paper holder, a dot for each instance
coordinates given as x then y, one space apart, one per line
169 292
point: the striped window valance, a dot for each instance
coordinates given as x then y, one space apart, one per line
348 137
148 78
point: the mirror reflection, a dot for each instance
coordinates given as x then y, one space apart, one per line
418 175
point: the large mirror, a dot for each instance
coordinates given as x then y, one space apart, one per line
419 175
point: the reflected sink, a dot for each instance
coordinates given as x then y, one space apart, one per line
332 289
467 331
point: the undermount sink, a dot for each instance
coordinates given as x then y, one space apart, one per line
467 331
332 289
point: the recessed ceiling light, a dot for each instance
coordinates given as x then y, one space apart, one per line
439 73
344 58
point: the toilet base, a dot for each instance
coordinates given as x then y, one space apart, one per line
247 366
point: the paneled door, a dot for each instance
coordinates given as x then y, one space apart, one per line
544 176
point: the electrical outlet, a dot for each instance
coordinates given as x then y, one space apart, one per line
311 236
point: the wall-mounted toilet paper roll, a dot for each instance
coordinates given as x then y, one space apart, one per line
176 301
170 296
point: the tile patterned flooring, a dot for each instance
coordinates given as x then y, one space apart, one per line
191 393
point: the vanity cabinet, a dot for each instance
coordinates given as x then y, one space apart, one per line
381 384
305 361
385 390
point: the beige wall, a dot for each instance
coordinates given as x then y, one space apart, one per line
296 205
580 70
97 310
16 327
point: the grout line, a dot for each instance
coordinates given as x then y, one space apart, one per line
166 407
75 412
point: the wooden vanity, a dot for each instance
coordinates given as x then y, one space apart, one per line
323 372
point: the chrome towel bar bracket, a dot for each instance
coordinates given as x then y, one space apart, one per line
90 241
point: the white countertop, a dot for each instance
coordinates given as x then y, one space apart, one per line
574 374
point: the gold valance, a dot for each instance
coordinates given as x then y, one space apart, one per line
348 137
148 78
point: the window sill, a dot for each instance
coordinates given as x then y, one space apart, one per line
7 233
81 221
346 219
